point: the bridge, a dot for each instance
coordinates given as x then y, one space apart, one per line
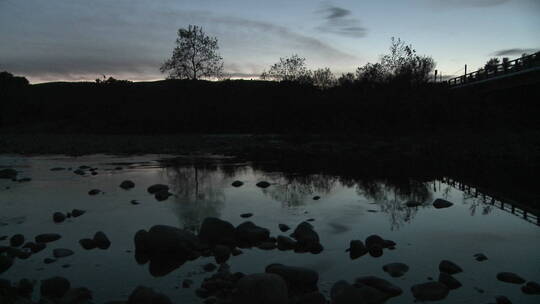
523 211
522 71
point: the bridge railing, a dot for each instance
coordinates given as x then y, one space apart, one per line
491 71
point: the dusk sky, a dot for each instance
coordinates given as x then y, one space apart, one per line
52 40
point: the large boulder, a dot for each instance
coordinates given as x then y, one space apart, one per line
217 231
261 288
145 295
306 236
248 233
162 239
430 291
299 279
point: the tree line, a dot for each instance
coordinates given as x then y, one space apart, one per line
196 56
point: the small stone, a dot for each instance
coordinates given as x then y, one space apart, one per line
502 300
59 217
531 288
283 227
237 183
35 247
101 240
263 184
77 212
157 187
480 257
49 260
356 249
88 244
55 287
127 184
16 240
94 192
47 237
510 277
162 195
135 202
62 252
316 198
449 267
440 203
246 215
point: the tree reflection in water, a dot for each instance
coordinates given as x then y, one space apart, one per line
199 190
295 190
391 195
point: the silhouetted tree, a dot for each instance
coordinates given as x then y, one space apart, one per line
491 64
403 64
323 78
195 56
9 85
346 79
289 69
371 73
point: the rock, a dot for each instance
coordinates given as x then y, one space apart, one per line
430 291
48 260
396 269
47 237
449 267
388 244
16 240
449 281
250 234
216 231
145 295
162 195
35 247
8 173
127 184
412 204
502 300
299 279
356 249
283 227
101 240
222 253
263 184
267 245
58 169
237 183
62 252
285 243
85 167
305 236
236 251
157 187
440 203
312 298
374 240
480 257
381 285
59 217
209 267
531 288
94 192
55 287
338 288
316 198
246 215
375 250
76 296
25 288
79 172
161 239
261 288
510 277
135 202
5 262
88 244
77 212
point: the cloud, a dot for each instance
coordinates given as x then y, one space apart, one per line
514 52
339 21
467 3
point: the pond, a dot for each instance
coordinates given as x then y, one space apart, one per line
340 209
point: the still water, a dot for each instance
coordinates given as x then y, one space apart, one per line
348 209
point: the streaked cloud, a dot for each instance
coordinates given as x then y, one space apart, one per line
514 52
339 21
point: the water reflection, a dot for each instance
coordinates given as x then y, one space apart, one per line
199 191
296 190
